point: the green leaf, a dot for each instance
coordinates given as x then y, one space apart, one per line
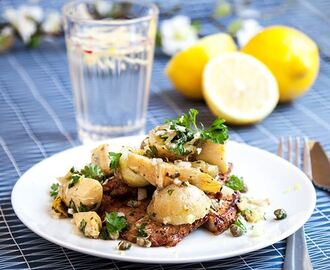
235 183
222 9
82 225
93 171
54 189
141 231
196 25
74 180
34 41
114 160
152 151
115 223
234 26
217 132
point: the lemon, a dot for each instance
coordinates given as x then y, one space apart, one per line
291 55
185 69
239 88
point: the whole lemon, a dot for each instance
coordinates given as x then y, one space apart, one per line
185 69
291 55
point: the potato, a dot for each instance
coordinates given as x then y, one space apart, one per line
214 153
86 194
178 205
89 223
161 174
212 170
129 176
100 157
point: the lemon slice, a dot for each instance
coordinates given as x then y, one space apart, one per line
239 88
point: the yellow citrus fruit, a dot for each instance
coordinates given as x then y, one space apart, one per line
239 88
292 56
185 69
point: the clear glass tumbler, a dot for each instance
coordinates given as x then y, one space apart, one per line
110 45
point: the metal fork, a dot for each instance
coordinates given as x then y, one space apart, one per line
296 254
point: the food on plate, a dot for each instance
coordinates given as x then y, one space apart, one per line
177 181
89 223
179 204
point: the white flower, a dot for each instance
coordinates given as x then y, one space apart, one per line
249 28
177 34
33 12
25 20
82 11
52 24
103 7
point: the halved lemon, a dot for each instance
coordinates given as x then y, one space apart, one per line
239 88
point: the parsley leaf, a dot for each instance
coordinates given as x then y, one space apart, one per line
54 189
236 183
93 171
115 223
217 132
74 180
186 130
82 226
114 160
141 231
151 152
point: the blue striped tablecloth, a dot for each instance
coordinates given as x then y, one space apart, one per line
37 120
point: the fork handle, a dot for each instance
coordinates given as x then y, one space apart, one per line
296 254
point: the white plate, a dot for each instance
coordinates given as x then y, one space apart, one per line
266 175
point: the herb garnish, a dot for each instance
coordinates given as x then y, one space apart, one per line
114 160
170 191
187 129
54 189
74 180
93 171
115 223
151 152
141 231
236 183
82 225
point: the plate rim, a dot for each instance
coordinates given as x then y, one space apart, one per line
174 260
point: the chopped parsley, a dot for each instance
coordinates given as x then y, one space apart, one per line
236 183
115 223
114 160
74 180
54 189
141 231
187 130
82 225
170 191
93 171
152 151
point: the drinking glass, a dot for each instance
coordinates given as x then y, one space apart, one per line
110 46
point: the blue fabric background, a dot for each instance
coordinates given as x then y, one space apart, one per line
37 120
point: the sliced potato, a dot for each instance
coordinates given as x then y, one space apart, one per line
129 176
161 174
214 153
100 157
59 208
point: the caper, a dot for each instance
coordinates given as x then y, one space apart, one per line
124 245
280 214
235 230
143 242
